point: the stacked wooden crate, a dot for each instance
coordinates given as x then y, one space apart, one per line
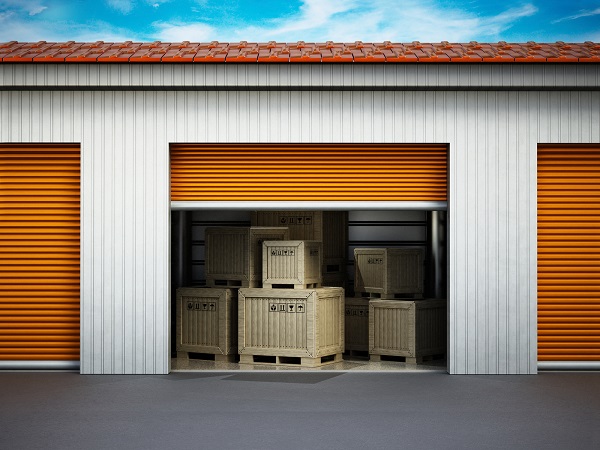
291 320
388 272
291 264
400 322
329 227
206 318
234 254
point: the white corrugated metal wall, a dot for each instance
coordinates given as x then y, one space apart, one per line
125 137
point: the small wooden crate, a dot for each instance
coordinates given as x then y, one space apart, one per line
329 227
282 323
388 272
291 264
206 322
356 316
413 329
234 254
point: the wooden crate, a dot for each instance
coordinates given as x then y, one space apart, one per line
356 315
388 272
291 264
206 322
329 227
234 254
413 329
285 323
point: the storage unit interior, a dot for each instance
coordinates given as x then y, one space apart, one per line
366 229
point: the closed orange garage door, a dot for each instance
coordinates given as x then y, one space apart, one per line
569 253
308 172
39 252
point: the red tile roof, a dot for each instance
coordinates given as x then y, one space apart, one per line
305 52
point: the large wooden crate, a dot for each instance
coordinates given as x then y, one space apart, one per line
234 254
329 227
356 314
206 321
300 326
388 272
291 264
413 329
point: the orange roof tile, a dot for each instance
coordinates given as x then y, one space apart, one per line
327 52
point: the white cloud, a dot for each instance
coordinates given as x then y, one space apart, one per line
123 6
31 7
16 29
581 14
178 32
377 20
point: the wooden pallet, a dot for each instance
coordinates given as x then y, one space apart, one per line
390 296
357 354
406 359
290 361
230 283
291 286
207 357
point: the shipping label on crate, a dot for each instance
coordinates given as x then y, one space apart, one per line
295 220
357 311
298 307
199 304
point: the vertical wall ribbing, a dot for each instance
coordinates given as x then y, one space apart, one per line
124 140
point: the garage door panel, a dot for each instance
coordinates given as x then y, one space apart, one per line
295 172
39 252
569 253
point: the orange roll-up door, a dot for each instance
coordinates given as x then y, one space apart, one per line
569 253
305 172
39 252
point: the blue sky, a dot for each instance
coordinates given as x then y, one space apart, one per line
307 20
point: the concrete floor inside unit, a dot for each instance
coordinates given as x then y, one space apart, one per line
353 364
299 410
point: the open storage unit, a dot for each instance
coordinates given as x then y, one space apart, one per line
424 231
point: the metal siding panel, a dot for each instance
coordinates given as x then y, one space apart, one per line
490 229
502 236
481 225
524 321
87 239
358 75
130 230
116 168
458 212
507 140
471 238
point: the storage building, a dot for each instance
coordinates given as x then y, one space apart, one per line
104 146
